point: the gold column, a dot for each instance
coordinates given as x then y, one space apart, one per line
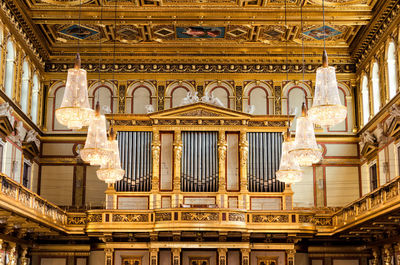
109 253
176 256
177 160
290 256
387 254
222 146
153 256
244 149
155 148
2 248
375 254
222 256
245 256
13 257
24 259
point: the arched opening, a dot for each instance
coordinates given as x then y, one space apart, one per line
25 86
392 69
35 98
375 88
365 99
9 72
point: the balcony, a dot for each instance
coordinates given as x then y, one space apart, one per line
368 210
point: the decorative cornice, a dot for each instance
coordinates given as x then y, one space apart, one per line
373 34
26 33
199 68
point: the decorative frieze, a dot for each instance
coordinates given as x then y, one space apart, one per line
199 68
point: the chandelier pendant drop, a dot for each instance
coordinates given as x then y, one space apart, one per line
289 169
75 111
96 151
305 149
111 171
327 110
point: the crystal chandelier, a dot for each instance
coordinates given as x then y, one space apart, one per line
289 169
327 110
111 171
305 149
96 151
75 111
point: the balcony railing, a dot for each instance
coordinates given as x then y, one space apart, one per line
16 198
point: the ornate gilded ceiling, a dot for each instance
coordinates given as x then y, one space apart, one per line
194 31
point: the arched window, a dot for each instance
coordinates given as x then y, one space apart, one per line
365 99
375 88
139 95
392 69
224 91
9 73
105 94
177 95
25 86
35 98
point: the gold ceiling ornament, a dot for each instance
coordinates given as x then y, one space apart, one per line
289 169
96 151
305 149
327 110
75 111
111 171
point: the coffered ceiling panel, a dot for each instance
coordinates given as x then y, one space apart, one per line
181 30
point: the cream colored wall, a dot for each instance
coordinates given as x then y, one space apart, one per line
365 179
96 258
304 191
35 177
138 253
345 262
301 259
208 254
56 184
382 175
57 149
95 188
342 185
164 257
393 161
233 257
53 261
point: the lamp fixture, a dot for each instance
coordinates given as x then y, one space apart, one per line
75 111
289 169
96 151
305 149
327 110
111 171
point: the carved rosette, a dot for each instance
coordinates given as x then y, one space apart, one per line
155 149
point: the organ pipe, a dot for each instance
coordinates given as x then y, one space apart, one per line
263 161
136 160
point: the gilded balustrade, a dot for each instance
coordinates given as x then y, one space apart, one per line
16 198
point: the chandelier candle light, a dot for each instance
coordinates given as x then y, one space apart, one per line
289 169
305 149
96 151
327 110
111 171
75 111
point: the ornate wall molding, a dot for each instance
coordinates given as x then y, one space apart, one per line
199 68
